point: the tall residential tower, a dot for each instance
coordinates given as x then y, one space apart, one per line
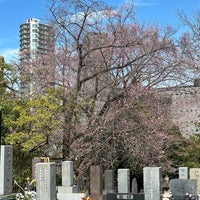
37 44
36 37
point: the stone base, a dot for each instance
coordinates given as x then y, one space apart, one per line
108 191
72 196
67 189
10 197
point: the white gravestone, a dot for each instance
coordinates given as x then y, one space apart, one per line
183 172
46 181
123 180
68 190
152 183
67 173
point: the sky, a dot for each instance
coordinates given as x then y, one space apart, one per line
15 12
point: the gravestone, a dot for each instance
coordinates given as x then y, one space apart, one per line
195 175
68 190
6 170
123 178
67 178
183 172
34 162
180 187
152 183
123 196
134 187
46 181
108 181
96 182
67 173
70 196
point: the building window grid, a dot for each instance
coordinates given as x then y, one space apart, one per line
35 35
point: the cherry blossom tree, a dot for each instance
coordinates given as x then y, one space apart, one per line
103 53
190 39
107 67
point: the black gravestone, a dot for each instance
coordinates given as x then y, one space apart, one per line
124 196
180 187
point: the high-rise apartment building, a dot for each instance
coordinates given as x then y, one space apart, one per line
37 43
36 38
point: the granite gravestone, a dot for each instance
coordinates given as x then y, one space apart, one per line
195 175
183 172
68 190
46 181
67 179
67 173
6 168
108 181
180 187
96 182
152 183
134 186
123 180
34 162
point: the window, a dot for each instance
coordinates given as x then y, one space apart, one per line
34 25
34 46
34 36
34 40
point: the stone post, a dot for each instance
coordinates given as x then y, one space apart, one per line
6 170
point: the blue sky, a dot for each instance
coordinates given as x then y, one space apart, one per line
15 12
